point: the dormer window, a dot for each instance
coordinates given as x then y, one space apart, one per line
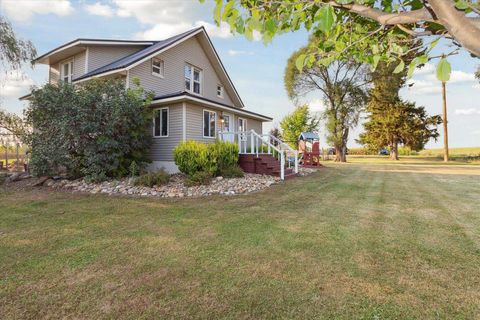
219 91
157 67
193 79
66 71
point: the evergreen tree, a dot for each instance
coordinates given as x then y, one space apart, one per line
392 121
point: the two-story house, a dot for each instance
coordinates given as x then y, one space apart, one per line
194 96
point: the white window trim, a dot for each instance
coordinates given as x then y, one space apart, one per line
192 81
203 127
64 62
222 89
162 69
244 121
168 122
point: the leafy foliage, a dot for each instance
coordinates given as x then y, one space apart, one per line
366 31
94 130
193 156
199 178
151 179
14 51
13 124
293 124
343 86
233 171
392 121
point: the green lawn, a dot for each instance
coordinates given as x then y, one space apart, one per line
363 240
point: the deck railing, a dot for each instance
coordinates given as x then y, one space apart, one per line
250 142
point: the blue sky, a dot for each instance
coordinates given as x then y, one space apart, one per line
256 70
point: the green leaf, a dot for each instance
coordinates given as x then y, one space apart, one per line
300 62
443 70
325 18
376 60
462 5
227 9
399 67
217 13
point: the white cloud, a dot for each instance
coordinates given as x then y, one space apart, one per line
222 31
476 86
162 31
424 86
14 84
240 53
100 9
24 10
467 112
163 18
428 68
316 105
456 76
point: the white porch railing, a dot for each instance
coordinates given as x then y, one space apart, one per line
250 142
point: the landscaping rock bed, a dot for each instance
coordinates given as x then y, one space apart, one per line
175 188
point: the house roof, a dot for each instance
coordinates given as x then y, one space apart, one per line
137 56
187 96
157 47
45 58
309 136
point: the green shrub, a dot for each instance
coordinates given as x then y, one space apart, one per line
133 169
94 130
192 157
151 179
231 172
198 178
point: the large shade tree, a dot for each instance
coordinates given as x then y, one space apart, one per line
13 50
342 85
369 31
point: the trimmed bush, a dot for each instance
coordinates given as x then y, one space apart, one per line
199 178
192 157
223 154
151 179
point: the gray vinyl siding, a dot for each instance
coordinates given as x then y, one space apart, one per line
78 64
78 67
194 123
162 147
99 56
191 52
54 74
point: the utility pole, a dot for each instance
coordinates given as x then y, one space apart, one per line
445 129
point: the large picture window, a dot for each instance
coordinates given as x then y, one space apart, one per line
193 79
160 123
209 123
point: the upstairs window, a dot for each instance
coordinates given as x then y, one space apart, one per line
209 123
219 91
66 71
157 67
193 79
160 123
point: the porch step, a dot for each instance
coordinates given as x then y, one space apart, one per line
263 164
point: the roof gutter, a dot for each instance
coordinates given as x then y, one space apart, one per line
185 97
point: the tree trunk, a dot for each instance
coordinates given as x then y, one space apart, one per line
394 151
341 150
